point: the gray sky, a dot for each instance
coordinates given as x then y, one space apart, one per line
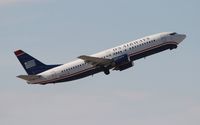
161 89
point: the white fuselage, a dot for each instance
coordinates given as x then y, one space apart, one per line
134 49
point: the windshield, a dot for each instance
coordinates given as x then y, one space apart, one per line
172 33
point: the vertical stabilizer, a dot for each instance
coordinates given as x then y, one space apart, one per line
31 65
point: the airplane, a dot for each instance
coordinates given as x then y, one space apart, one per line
118 58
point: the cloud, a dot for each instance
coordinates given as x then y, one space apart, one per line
24 107
134 96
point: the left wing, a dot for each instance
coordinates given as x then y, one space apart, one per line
96 61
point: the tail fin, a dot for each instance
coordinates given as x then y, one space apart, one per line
30 64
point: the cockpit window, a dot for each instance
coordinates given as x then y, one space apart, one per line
172 33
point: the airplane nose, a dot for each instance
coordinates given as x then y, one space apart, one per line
180 37
183 36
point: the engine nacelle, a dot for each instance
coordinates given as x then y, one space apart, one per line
122 62
121 59
124 66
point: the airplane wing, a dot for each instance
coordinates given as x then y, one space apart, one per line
29 77
96 61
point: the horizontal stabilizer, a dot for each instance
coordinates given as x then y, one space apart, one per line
29 77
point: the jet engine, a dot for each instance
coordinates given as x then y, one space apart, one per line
122 62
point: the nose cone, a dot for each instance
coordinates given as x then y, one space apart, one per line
181 37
